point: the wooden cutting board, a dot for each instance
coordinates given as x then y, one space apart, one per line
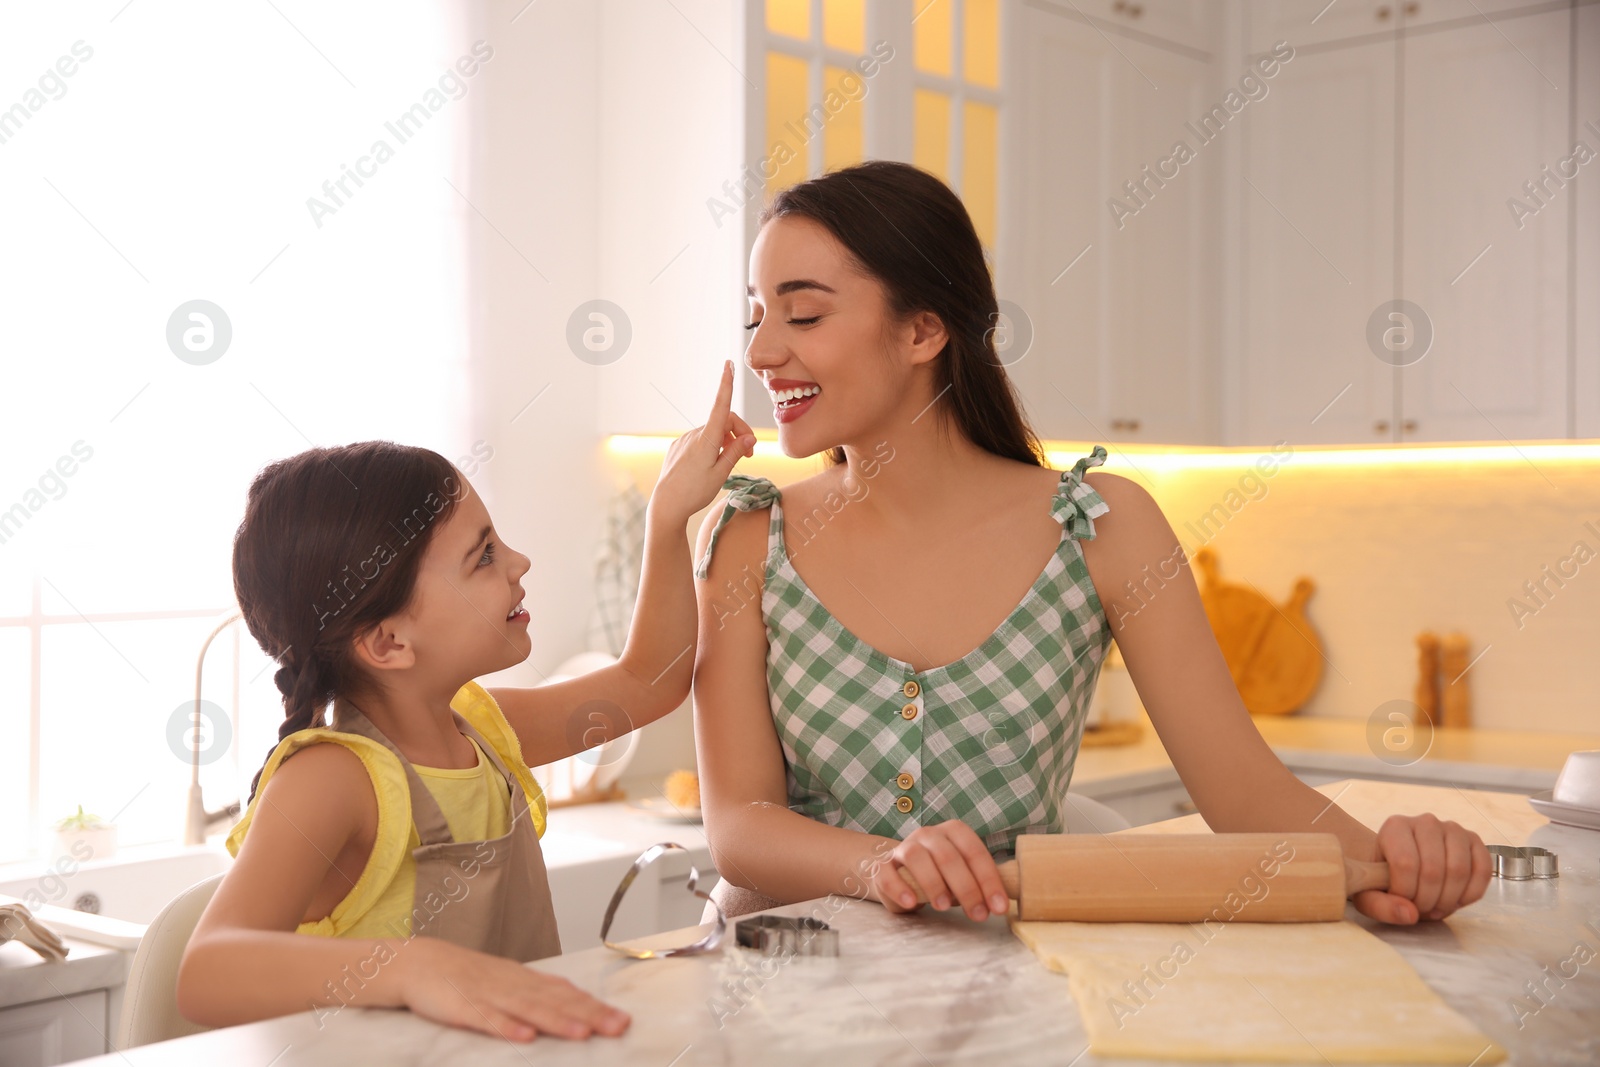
1273 654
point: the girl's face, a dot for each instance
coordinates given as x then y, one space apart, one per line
821 326
466 617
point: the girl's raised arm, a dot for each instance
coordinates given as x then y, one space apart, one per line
651 677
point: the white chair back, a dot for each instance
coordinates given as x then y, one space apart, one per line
150 1002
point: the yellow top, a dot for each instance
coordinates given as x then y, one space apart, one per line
475 803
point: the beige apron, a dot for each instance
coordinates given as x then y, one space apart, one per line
492 896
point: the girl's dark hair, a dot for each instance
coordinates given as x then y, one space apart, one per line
910 232
330 545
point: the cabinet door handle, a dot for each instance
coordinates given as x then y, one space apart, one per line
1129 425
1381 426
1382 13
1184 807
1409 426
1411 8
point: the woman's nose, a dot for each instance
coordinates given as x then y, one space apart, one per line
761 354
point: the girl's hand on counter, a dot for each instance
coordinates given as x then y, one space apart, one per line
500 997
1435 867
699 462
950 865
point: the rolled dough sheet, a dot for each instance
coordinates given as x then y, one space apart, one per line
1315 992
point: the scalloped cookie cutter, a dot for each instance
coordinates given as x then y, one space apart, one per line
787 935
1519 863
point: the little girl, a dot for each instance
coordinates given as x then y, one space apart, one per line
405 838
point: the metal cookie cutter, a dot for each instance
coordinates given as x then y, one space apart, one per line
707 943
1518 863
786 935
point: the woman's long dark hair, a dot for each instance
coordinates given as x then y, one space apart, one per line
330 545
911 233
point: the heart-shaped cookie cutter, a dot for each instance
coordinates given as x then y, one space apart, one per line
1518 863
708 943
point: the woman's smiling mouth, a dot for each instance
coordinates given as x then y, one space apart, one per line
792 398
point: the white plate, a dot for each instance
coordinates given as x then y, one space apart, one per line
1567 814
658 808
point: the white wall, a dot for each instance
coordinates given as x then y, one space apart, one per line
534 180
672 98
606 128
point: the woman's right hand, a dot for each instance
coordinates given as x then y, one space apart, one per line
950 864
476 991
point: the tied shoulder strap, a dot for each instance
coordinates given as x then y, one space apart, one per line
745 493
1076 504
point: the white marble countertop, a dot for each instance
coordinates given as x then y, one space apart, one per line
936 988
26 976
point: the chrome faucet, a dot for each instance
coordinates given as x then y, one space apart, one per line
197 820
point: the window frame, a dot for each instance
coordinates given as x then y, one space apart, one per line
34 624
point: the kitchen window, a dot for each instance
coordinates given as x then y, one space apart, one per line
845 81
181 162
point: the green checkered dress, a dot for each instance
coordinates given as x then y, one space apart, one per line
872 745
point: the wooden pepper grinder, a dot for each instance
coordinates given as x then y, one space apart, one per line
1455 697
1427 694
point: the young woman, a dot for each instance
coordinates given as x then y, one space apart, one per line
896 655
394 860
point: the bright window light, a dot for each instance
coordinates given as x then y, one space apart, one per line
152 156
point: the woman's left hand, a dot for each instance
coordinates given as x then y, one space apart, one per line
1435 867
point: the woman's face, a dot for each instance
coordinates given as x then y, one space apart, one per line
821 326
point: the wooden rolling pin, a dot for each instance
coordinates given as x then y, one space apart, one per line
1166 878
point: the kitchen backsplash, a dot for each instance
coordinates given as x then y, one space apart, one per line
1498 550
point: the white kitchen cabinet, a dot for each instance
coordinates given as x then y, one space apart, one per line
54 1031
1318 214
1378 166
1586 227
1453 14
1182 22
1312 23
1119 284
1336 224
1485 110
1307 24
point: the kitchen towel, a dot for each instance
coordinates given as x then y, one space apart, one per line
17 923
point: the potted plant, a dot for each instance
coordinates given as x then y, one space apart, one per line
85 836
